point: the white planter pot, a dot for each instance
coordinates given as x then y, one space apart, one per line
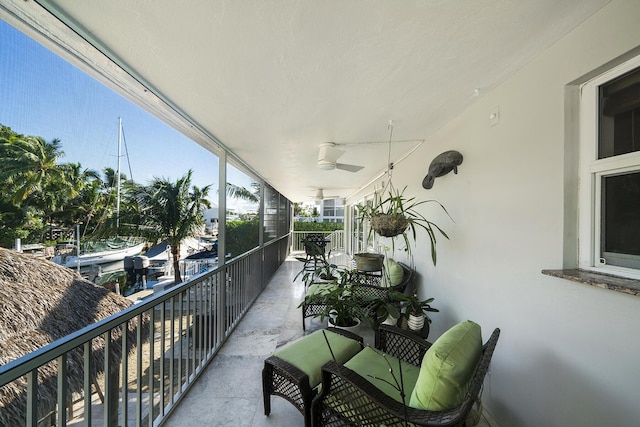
353 329
390 320
416 323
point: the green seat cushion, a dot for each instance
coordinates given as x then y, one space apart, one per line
447 368
394 272
372 366
309 353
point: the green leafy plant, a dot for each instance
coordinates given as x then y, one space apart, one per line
317 226
324 269
337 300
394 214
416 306
378 309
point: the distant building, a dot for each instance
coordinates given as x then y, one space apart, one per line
211 220
331 210
327 210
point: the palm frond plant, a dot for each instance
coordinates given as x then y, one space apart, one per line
392 214
174 211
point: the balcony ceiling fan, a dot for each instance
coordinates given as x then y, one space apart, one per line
328 156
328 153
319 195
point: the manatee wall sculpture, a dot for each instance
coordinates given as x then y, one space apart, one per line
441 165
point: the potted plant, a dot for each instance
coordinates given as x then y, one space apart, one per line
386 310
337 301
416 311
324 270
393 215
367 261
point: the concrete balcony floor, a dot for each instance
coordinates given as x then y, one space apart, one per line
229 392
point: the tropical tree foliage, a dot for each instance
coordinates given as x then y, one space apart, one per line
174 211
242 236
239 192
40 194
33 181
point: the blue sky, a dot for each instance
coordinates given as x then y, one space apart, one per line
42 94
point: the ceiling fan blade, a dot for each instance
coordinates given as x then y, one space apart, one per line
329 153
348 168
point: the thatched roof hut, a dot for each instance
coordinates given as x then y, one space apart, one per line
42 302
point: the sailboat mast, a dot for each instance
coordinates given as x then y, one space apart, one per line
118 173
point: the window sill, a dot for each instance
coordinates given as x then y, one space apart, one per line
600 280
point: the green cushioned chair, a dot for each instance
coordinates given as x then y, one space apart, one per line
385 372
294 371
442 382
447 368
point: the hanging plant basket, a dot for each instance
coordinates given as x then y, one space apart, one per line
389 225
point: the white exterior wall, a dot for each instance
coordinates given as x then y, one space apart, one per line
568 352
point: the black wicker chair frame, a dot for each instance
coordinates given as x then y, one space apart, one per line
367 406
314 248
280 378
365 285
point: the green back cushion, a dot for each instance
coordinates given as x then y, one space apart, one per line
309 353
395 272
447 368
372 366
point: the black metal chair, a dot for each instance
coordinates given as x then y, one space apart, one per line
314 248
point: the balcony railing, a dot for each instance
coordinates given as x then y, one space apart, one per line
171 338
336 239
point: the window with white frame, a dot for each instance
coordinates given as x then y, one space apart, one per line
333 210
610 172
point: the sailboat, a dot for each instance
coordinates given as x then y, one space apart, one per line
102 251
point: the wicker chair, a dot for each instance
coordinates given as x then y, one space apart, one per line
314 248
370 406
366 285
284 379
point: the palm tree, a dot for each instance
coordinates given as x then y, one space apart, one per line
32 177
29 165
174 210
83 199
239 192
105 222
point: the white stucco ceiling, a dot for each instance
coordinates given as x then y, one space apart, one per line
274 79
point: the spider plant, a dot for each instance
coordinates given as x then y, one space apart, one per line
393 214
